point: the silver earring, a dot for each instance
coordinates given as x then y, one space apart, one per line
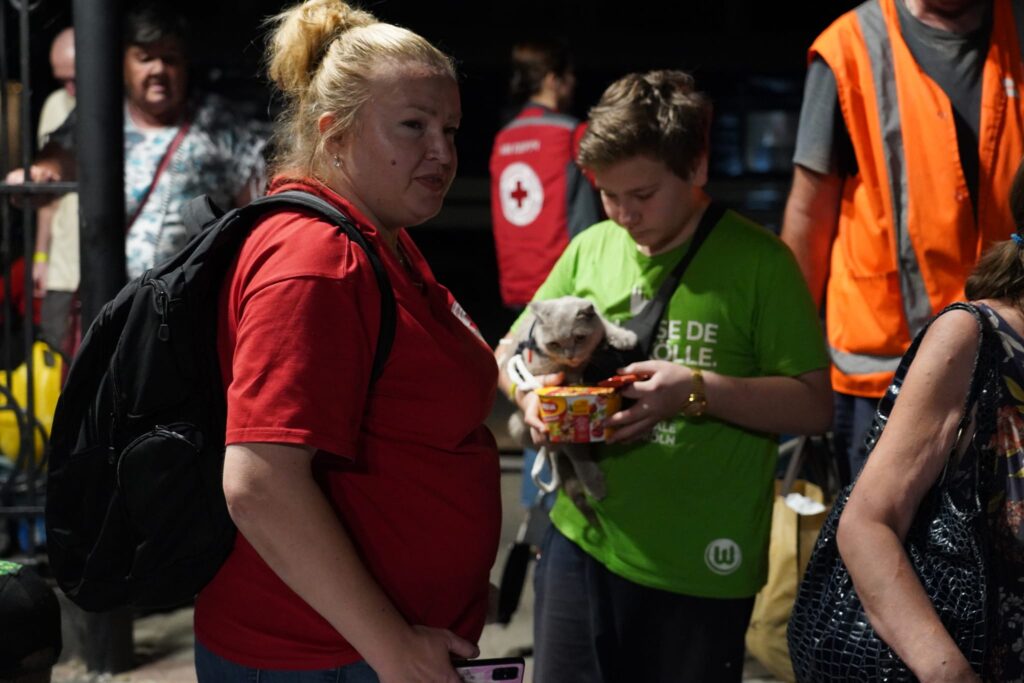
337 161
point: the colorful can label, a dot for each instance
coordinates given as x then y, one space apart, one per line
578 414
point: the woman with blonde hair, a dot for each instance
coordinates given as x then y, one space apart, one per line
368 510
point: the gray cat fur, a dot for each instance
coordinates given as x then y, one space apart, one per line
566 332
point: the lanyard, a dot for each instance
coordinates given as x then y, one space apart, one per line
164 163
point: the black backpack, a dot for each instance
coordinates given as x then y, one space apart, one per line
135 510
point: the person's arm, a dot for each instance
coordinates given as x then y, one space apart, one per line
526 401
559 282
43 170
276 504
791 405
41 258
809 224
906 462
822 157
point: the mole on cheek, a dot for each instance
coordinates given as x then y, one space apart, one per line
393 162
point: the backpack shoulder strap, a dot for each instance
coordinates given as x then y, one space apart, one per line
645 323
293 199
199 212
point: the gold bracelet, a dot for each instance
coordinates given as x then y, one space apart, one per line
512 391
40 257
697 401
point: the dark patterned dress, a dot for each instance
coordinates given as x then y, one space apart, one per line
1005 495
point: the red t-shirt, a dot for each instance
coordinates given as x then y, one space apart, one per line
409 466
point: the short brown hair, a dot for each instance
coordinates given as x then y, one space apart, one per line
999 273
658 114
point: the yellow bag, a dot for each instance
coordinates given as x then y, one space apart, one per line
789 549
47 375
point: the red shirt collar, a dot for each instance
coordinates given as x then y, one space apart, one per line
317 187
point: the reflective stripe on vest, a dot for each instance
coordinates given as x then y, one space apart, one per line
916 306
862 363
548 118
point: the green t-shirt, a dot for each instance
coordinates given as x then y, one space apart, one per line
689 511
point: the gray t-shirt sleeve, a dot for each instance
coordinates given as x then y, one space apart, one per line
822 141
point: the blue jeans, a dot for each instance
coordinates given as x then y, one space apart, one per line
850 425
592 626
212 668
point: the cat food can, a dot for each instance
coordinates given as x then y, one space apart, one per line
578 414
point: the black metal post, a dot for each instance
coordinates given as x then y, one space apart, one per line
100 152
5 208
26 462
105 639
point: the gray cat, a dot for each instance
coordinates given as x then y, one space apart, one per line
561 335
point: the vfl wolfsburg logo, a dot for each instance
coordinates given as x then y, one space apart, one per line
723 556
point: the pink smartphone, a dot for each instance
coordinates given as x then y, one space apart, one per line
510 669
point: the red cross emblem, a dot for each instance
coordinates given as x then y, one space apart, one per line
519 194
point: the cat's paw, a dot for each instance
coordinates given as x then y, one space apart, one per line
622 339
517 428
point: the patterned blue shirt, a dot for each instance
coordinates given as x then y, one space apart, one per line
219 156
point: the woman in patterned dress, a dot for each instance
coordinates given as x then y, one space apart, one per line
919 438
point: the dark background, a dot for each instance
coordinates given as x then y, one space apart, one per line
748 56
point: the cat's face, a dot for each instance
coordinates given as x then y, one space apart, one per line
568 330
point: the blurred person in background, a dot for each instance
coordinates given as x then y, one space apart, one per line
884 222
55 263
178 144
540 198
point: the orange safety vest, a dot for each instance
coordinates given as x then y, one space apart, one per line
907 237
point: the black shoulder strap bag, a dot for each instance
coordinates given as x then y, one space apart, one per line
830 637
607 361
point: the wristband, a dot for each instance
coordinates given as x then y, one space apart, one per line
40 257
512 391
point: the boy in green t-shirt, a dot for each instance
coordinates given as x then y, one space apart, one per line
663 587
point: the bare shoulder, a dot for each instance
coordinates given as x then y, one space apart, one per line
955 332
945 359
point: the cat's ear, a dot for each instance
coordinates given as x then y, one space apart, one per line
538 308
586 312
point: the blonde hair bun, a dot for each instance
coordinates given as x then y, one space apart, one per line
301 37
321 55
